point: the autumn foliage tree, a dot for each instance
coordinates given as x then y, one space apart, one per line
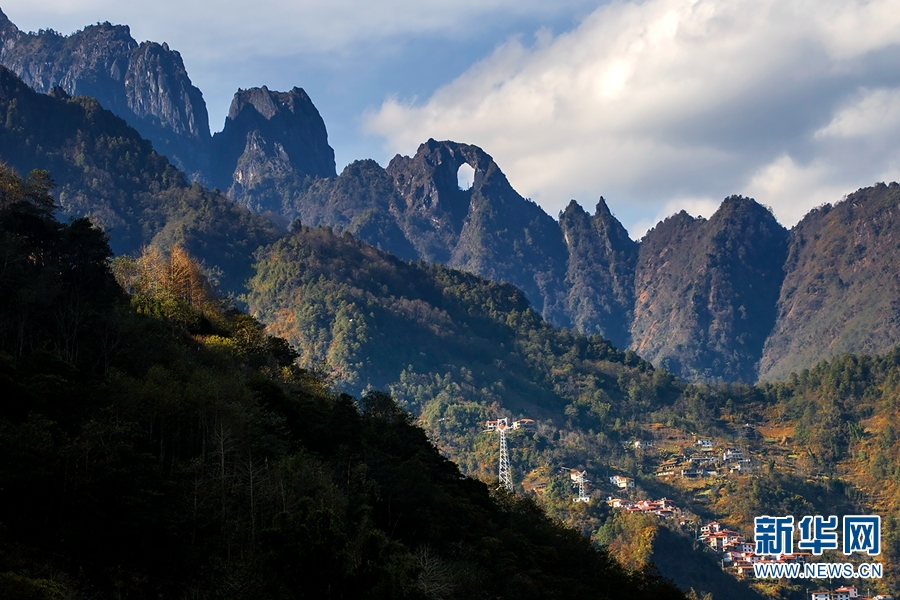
170 284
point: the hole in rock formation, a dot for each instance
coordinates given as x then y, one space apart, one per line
465 177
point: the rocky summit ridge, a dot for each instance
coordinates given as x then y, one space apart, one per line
270 140
144 83
267 135
734 297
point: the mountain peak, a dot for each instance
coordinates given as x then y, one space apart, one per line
145 84
429 186
572 210
608 226
429 181
600 272
269 104
706 290
270 136
841 283
5 23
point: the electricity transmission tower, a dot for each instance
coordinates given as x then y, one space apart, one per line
579 479
500 426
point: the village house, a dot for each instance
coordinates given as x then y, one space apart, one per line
622 482
711 527
845 593
719 541
524 424
619 502
731 454
741 545
696 473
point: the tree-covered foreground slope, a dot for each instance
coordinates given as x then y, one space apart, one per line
161 445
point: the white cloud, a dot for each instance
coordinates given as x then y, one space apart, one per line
857 147
654 103
793 189
875 113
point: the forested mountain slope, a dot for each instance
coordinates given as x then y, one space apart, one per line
375 320
457 350
706 289
106 171
841 290
163 446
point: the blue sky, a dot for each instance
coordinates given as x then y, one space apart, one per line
659 105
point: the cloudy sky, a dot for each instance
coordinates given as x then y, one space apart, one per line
657 105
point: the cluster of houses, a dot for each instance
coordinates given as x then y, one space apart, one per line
738 553
705 463
663 507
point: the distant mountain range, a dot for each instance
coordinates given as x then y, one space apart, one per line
735 297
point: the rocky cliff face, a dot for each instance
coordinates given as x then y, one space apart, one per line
433 207
706 291
416 209
841 290
488 230
146 84
271 142
600 272
362 200
165 104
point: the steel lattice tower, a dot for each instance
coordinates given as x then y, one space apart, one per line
582 488
505 479
579 479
